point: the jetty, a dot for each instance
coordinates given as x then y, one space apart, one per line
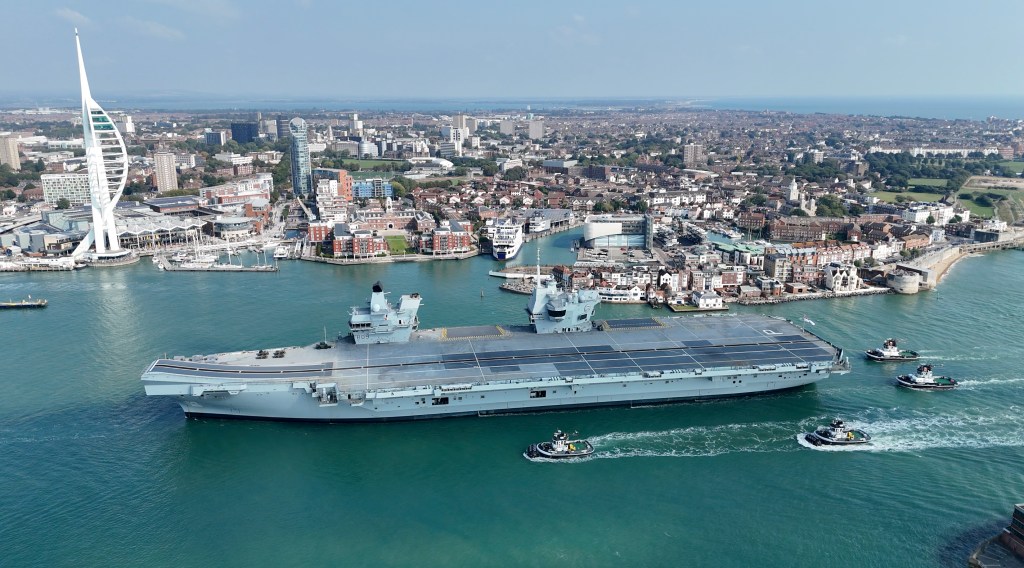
164 264
22 304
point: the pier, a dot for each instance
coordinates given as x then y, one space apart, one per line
166 265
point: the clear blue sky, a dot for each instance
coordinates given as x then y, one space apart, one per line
416 49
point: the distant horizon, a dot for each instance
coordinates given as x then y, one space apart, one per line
940 107
216 48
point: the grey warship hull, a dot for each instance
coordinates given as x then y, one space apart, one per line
502 369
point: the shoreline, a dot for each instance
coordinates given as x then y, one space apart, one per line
941 268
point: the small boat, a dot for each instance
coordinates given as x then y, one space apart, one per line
560 447
923 379
23 304
837 434
890 352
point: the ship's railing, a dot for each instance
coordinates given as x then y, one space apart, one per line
630 376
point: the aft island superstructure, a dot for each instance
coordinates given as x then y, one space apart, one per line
389 369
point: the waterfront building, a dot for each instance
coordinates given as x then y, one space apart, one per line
350 242
618 230
107 163
841 277
216 138
244 132
301 166
73 187
232 228
164 172
320 231
449 238
9 152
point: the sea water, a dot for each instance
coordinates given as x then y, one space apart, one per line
94 473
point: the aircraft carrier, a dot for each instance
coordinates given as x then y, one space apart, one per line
389 369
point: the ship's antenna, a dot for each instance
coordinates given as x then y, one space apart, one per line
538 264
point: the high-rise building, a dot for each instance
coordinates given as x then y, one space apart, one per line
301 167
164 173
693 154
124 123
107 164
507 127
73 187
460 121
9 152
536 129
244 132
282 127
216 138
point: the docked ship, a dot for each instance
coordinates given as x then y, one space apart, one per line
506 238
387 368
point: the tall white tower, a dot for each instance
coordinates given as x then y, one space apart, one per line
107 162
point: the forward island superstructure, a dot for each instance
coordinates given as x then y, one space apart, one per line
389 369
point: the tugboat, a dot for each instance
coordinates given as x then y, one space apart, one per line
560 447
890 352
837 434
923 379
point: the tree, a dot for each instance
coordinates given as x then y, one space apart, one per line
398 189
798 213
517 173
830 206
63 203
930 220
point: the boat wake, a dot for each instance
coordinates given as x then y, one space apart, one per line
974 384
696 441
938 431
891 430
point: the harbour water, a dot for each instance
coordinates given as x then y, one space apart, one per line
93 473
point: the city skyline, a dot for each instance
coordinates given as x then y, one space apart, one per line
572 50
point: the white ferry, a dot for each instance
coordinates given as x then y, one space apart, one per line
506 238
